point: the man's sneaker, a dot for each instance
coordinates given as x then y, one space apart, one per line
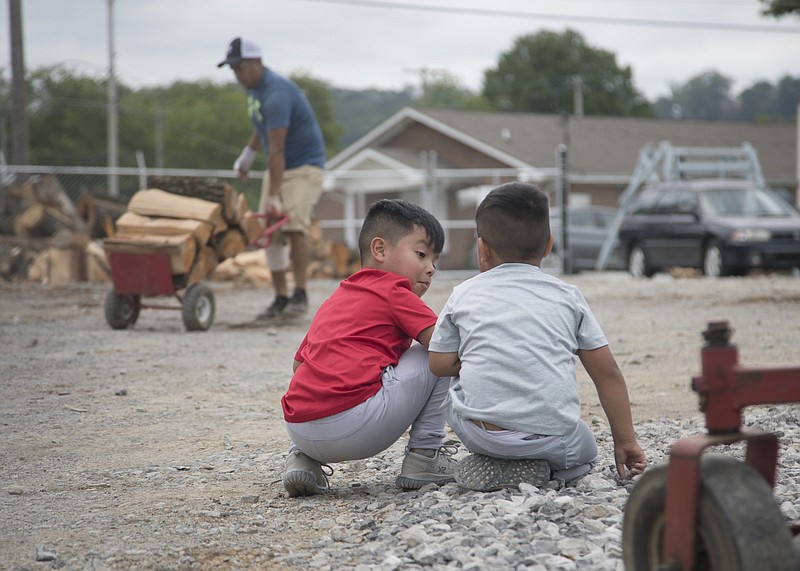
298 303
487 474
304 476
275 310
419 470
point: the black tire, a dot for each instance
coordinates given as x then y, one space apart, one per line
714 265
198 307
740 527
122 310
638 264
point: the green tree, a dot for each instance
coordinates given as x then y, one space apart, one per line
443 89
201 124
780 8
787 94
757 102
705 96
321 100
542 72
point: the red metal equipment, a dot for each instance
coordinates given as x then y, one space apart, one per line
149 274
725 388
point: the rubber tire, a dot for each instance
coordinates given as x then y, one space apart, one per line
740 525
714 265
122 310
198 307
637 263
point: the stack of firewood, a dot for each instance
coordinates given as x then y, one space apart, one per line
196 223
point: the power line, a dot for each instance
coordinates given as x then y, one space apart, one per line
646 22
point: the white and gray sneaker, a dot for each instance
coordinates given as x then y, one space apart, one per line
419 469
486 474
304 476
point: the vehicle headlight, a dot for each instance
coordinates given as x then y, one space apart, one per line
750 235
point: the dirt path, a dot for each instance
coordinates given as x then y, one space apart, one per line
158 448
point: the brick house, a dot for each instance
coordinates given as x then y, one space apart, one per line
446 160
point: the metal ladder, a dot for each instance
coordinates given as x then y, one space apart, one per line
668 163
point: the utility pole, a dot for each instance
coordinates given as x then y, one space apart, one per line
113 116
19 89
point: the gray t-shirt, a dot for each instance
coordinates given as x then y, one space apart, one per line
516 330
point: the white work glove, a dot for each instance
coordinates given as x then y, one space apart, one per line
274 206
242 165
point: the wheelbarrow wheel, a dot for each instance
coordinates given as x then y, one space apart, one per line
122 310
739 528
198 307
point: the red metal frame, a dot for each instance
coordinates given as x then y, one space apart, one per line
265 240
725 389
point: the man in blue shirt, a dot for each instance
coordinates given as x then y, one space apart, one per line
284 126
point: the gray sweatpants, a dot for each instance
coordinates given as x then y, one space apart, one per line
410 396
570 456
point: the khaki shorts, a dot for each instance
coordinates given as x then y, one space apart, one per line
300 191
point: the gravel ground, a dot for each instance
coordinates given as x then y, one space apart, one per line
154 448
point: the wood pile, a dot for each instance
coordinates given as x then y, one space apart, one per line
196 223
204 226
44 237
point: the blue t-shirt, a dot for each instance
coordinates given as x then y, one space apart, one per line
276 103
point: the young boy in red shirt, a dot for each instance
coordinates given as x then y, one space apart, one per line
358 382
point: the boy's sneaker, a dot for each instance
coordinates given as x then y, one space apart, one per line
298 303
486 474
419 470
304 476
275 310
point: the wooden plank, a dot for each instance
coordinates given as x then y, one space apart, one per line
155 202
132 223
180 248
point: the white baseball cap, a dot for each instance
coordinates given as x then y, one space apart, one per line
239 49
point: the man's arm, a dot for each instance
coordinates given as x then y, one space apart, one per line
276 161
444 364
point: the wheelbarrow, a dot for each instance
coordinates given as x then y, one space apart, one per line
138 275
713 512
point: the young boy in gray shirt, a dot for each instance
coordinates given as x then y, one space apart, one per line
510 336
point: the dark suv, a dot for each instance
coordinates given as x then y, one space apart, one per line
724 227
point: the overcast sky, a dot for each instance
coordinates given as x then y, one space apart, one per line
362 44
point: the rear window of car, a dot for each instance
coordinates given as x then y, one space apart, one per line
740 202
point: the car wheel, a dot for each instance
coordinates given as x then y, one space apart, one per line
713 261
637 263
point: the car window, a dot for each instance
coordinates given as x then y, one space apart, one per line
743 202
668 203
646 202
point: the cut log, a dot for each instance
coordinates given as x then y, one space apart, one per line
205 262
252 226
229 244
207 189
181 248
97 268
41 220
99 212
132 223
155 202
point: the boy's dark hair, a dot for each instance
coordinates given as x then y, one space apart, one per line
392 219
514 220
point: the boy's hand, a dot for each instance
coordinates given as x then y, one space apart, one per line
629 455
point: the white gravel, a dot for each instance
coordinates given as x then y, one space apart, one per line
154 448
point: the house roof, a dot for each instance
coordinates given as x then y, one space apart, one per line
598 146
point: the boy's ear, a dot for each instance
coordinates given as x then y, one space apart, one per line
550 243
377 249
484 251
